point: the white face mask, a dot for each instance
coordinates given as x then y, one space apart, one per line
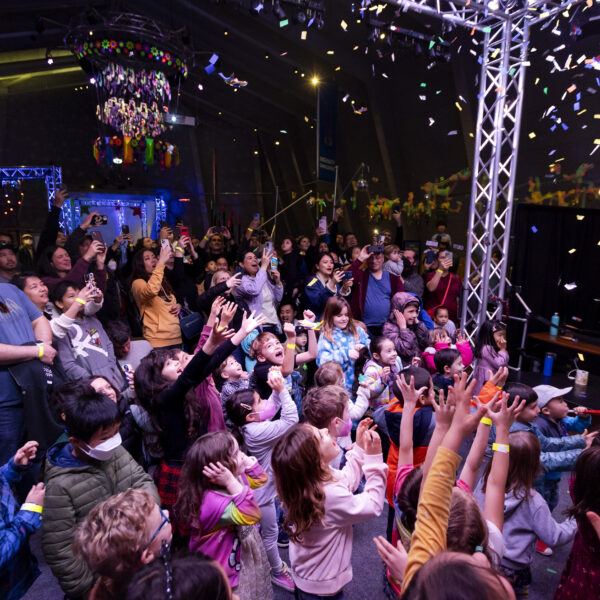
105 450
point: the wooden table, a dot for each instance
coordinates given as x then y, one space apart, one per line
583 347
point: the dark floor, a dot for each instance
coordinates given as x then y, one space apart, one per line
368 569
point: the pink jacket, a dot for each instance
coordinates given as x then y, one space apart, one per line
217 534
463 347
321 562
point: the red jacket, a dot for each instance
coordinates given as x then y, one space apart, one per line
359 288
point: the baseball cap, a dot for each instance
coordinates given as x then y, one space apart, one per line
546 393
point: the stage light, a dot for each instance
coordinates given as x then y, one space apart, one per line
382 36
49 58
200 87
279 12
257 6
315 80
92 80
117 161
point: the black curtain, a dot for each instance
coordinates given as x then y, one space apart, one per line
543 237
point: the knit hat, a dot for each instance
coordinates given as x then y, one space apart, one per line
546 393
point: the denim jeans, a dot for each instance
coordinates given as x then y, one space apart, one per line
11 431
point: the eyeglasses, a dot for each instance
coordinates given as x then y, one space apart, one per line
165 520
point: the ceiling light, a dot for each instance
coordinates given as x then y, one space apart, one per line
315 80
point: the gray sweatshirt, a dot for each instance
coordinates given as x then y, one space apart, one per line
524 522
261 437
86 350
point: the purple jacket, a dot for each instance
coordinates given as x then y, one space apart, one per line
249 293
490 360
215 532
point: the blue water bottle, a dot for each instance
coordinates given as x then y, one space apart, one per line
555 320
548 364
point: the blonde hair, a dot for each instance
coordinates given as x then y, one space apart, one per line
113 535
216 273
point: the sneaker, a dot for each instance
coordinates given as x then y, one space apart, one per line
283 579
283 539
543 549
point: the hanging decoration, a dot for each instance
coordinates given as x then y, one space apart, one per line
137 65
126 150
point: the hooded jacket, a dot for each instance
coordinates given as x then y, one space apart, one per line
526 520
409 342
73 488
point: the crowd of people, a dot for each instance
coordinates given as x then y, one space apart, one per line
175 411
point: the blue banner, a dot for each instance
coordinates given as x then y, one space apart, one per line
326 131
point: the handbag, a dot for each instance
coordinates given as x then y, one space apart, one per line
431 311
191 324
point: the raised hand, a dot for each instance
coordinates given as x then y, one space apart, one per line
364 254
220 333
338 275
361 431
95 248
444 410
217 304
166 252
499 377
465 422
409 393
87 222
234 281
227 313
250 323
26 453
372 442
309 315
290 332
265 260
501 414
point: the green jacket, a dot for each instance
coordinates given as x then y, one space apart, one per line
72 490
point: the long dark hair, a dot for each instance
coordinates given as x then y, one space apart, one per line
45 266
150 383
218 446
586 487
485 336
138 271
364 354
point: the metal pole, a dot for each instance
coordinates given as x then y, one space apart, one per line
276 204
335 186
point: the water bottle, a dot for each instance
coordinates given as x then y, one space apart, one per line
555 320
548 364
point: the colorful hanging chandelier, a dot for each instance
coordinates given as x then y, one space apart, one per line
135 64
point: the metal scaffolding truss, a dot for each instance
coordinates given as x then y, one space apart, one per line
505 25
52 177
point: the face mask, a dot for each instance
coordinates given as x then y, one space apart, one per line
105 450
268 411
112 265
345 429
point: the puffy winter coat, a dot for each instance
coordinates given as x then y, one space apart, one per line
73 488
409 342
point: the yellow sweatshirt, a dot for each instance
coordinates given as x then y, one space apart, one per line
160 327
429 538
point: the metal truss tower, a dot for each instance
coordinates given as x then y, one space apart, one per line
506 25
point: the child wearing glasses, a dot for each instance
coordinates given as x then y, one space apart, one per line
118 537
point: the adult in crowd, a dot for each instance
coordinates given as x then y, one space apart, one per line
25 337
373 289
290 265
413 282
222 283
8 262
217 242
443 287
55 264
325 284
155 299
90 302
182 279
6 238
260 288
